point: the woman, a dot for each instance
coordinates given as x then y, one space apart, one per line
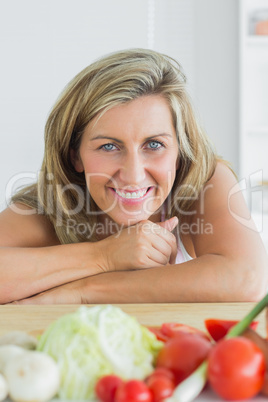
131 204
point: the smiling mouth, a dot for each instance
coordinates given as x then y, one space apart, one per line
133 195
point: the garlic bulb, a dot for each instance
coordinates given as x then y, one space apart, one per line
32 376
7 353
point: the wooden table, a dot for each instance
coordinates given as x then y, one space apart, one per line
36 318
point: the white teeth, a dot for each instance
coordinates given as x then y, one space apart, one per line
138 194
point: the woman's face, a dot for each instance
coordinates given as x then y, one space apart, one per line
129 157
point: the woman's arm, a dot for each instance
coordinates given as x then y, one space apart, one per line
170 284
231 263
33 261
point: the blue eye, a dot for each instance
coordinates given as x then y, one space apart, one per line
108 147
154 145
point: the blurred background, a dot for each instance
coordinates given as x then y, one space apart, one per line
221 44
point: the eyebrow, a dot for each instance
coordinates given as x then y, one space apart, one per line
105 137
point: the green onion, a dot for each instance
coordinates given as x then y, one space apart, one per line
242 325
191 387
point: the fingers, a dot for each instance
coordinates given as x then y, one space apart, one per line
169 224
160 229
163 242
143 245
159 257
168 248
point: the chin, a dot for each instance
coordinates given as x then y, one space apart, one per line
129 220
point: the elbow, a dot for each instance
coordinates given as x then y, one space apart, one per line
254 285
254 294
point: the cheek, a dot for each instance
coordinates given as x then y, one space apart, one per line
99 172
95 164
166 170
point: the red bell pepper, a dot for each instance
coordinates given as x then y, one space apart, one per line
219 328
158 333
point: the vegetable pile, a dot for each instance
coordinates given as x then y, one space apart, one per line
101 353
96 341
235 368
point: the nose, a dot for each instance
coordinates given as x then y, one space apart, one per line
133 170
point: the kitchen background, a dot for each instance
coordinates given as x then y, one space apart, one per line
221 44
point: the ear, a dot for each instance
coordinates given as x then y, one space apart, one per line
76 161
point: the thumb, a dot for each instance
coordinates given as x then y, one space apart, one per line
170 224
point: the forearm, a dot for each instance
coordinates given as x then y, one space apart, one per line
210 278
28 271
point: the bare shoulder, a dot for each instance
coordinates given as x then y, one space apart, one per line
223 179
223 175
222 210
211 204
222 192
21 226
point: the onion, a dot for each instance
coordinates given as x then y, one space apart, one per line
32 376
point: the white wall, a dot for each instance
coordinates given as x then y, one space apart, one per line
43 44
217 73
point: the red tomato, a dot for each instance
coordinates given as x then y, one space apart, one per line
106 387
160 385
236 368
183 354
158 333
133 391
162 371
219 328
171 329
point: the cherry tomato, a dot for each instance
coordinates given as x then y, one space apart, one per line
160 385
171 329
219 328
106 387
236 368
183 354
133 391
162 371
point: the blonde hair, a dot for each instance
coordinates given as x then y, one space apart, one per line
112 80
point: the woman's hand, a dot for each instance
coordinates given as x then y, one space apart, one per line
144 245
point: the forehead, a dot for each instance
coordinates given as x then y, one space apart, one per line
145 113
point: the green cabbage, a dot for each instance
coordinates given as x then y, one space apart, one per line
96 341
